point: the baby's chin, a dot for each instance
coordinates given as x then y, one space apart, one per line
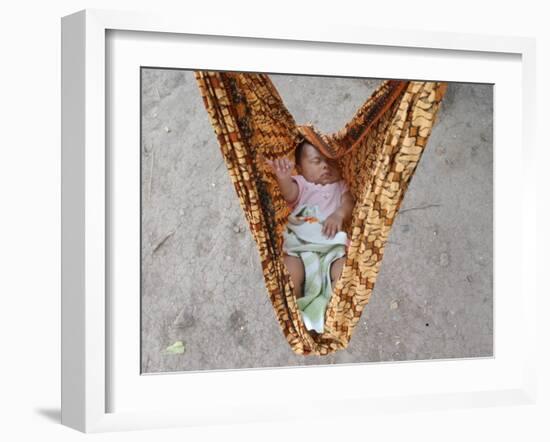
328 180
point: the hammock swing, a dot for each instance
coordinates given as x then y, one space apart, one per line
377 151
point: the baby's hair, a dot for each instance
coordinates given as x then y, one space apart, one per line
298 152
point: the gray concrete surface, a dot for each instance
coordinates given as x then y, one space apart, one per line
201 278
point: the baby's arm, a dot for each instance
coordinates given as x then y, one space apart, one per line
333 224
346 207
283 172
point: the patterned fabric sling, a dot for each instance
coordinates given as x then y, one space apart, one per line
377 151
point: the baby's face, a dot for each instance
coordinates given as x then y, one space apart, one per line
316 168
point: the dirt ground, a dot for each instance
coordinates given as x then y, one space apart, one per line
201 277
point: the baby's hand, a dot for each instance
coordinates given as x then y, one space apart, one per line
333 224
281 166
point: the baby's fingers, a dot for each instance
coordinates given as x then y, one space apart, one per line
286 164
327 229
281 165
335 229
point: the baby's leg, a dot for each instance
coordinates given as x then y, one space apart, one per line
297 273
336 269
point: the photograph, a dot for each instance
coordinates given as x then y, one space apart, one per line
302 220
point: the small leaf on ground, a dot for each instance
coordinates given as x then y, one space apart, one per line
177 348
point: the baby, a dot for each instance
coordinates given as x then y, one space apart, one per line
319 183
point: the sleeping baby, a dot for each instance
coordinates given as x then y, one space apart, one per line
318 190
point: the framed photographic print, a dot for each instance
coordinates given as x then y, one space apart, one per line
251 214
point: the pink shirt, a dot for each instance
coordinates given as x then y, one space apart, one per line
327 196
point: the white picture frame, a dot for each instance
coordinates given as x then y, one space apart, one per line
89 367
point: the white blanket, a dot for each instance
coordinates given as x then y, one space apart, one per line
304 238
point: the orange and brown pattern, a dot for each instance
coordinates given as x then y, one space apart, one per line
378 151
